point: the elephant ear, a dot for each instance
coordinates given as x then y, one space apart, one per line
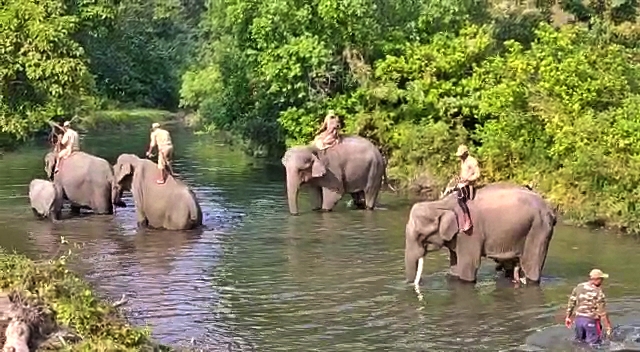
123 170
448 226
318 168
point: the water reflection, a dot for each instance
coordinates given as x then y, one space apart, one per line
256 279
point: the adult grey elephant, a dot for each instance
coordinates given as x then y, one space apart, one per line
171 206
46 199
353 166
511 223
86 180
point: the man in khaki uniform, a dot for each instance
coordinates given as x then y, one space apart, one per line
70 143
329 133
587 301
469 174
162 139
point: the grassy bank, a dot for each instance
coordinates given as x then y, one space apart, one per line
88 323
112 119
123 118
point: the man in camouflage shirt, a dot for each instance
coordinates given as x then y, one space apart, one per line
588 302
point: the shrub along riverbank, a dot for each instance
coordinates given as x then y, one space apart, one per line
61 310
548 95
544 92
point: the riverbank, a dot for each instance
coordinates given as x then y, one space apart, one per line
112 119
61 310
123 118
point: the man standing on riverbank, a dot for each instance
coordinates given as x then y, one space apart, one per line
588 301
162 139
70 143
469 174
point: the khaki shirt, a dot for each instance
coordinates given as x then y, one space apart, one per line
161 138
469 169
587 300
70 140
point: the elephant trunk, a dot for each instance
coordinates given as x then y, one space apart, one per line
116 196
410 266
293 184
414 252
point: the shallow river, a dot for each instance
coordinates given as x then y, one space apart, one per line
258 279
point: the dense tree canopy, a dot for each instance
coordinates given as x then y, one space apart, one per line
60 57
542 91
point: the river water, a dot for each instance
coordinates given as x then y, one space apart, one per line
257 279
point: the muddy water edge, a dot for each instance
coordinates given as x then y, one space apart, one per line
257 279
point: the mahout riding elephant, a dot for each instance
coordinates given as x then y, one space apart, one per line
46 199
171 206
511 224
86 180
353 166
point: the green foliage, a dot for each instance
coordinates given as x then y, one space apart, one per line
139 55
552 106
123 118
73 303
43 72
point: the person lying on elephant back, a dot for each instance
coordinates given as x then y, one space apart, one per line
162 139
329 133
469 174
70 143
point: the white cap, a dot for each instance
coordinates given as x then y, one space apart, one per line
155 125
598 274
66 124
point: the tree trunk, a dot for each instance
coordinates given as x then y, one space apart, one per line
17 337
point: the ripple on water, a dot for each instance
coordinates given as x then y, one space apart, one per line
256 279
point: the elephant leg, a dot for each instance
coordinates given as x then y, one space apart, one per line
371 196
329 199
101 202
75 210
358 199
469 252
141 219
316 198
535 251
453 263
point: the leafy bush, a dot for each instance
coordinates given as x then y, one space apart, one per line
551 106
72 302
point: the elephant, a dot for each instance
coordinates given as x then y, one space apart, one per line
512 224
170 206
46 199
86 180
353 166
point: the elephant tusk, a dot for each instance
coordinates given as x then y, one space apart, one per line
416 281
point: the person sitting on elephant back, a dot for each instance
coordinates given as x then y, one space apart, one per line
329 133
162 139
70 143
469 174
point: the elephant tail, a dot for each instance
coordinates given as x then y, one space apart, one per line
385 179
195 212
554 215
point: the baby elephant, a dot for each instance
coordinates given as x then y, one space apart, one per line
46 199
